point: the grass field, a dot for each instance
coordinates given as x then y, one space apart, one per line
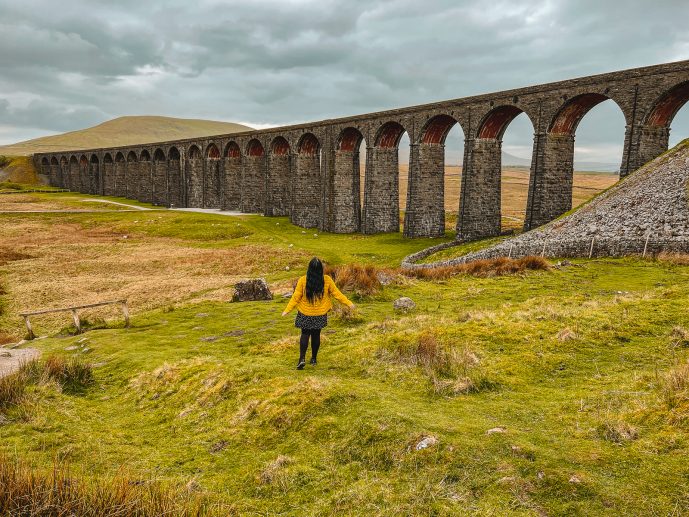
579 373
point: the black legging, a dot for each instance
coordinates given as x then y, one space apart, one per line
315 335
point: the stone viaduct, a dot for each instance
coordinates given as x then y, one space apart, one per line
311 172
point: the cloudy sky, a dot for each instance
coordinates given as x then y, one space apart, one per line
72 64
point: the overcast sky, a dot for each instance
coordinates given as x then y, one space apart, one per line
72 64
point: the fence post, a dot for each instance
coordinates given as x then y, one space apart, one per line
646 245
125 312
28 327
509 255
591 250
77 321
543 250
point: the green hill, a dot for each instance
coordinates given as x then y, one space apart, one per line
124 131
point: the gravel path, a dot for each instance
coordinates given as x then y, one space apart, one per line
10 359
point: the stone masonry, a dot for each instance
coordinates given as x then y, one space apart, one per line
312 173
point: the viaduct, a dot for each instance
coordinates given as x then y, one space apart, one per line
311 172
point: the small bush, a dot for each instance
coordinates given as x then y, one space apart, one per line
481 268
25 491
12 389
677 259
346 314
362 280
679 337
675 386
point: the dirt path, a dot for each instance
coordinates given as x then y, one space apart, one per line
117 203
10 360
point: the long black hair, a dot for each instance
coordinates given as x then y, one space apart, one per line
314 280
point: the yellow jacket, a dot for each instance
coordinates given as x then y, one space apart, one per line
319 307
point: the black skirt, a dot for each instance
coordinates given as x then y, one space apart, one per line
303 321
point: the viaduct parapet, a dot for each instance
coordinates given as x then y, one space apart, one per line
311 172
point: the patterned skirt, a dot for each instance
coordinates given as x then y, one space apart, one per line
310 322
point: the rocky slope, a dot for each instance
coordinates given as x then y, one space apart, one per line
646 212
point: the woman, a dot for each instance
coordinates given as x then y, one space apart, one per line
312 299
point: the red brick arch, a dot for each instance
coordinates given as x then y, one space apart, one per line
212 152
567 119
350 139
667 106
232 150
436 129
279 146
255 148
495 123
389 135
308 145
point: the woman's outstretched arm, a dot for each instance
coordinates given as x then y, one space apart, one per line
296 296
335 292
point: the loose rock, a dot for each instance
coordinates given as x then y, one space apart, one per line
404 304
428 441
496 430
251 290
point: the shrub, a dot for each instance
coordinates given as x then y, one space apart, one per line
482 268
362 280
617 431
677 259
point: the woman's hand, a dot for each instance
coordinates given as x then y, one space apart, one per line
284 313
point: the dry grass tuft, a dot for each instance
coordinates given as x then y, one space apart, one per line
10 255
679 337
677 259
25 491
481 268
273 473
12 389
566 334
451 370
618 431
347 314
362 280
675 387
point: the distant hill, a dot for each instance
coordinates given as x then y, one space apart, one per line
124 131
516 161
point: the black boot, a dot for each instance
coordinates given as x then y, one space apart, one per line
301 364
313 361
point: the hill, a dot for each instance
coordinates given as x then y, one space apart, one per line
124 131
559 392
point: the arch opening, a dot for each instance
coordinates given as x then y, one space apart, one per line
174 154
131 157
279 146
159 155
212 152
668 105
194 153
255 148
94 159
145 156
232 150
569 116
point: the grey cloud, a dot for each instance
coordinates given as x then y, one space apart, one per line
276 62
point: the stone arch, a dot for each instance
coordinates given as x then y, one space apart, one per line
73 173
56 177
308 191
83 180
552 184
132 176
389 135
654 138
108 174
176 195
232 150
569 115
212 152
255 148
381 212
253 190
232 177
344 210
496 121
212 181
94 175
425 211
665 108
195 180
279 196
159 196
132 157
45 169
145 173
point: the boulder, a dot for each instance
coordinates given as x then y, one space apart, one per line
251 290
403 304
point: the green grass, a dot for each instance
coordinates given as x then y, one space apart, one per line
570 362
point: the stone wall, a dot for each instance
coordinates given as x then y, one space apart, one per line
647 97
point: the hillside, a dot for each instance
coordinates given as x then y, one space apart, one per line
124 131
560 392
